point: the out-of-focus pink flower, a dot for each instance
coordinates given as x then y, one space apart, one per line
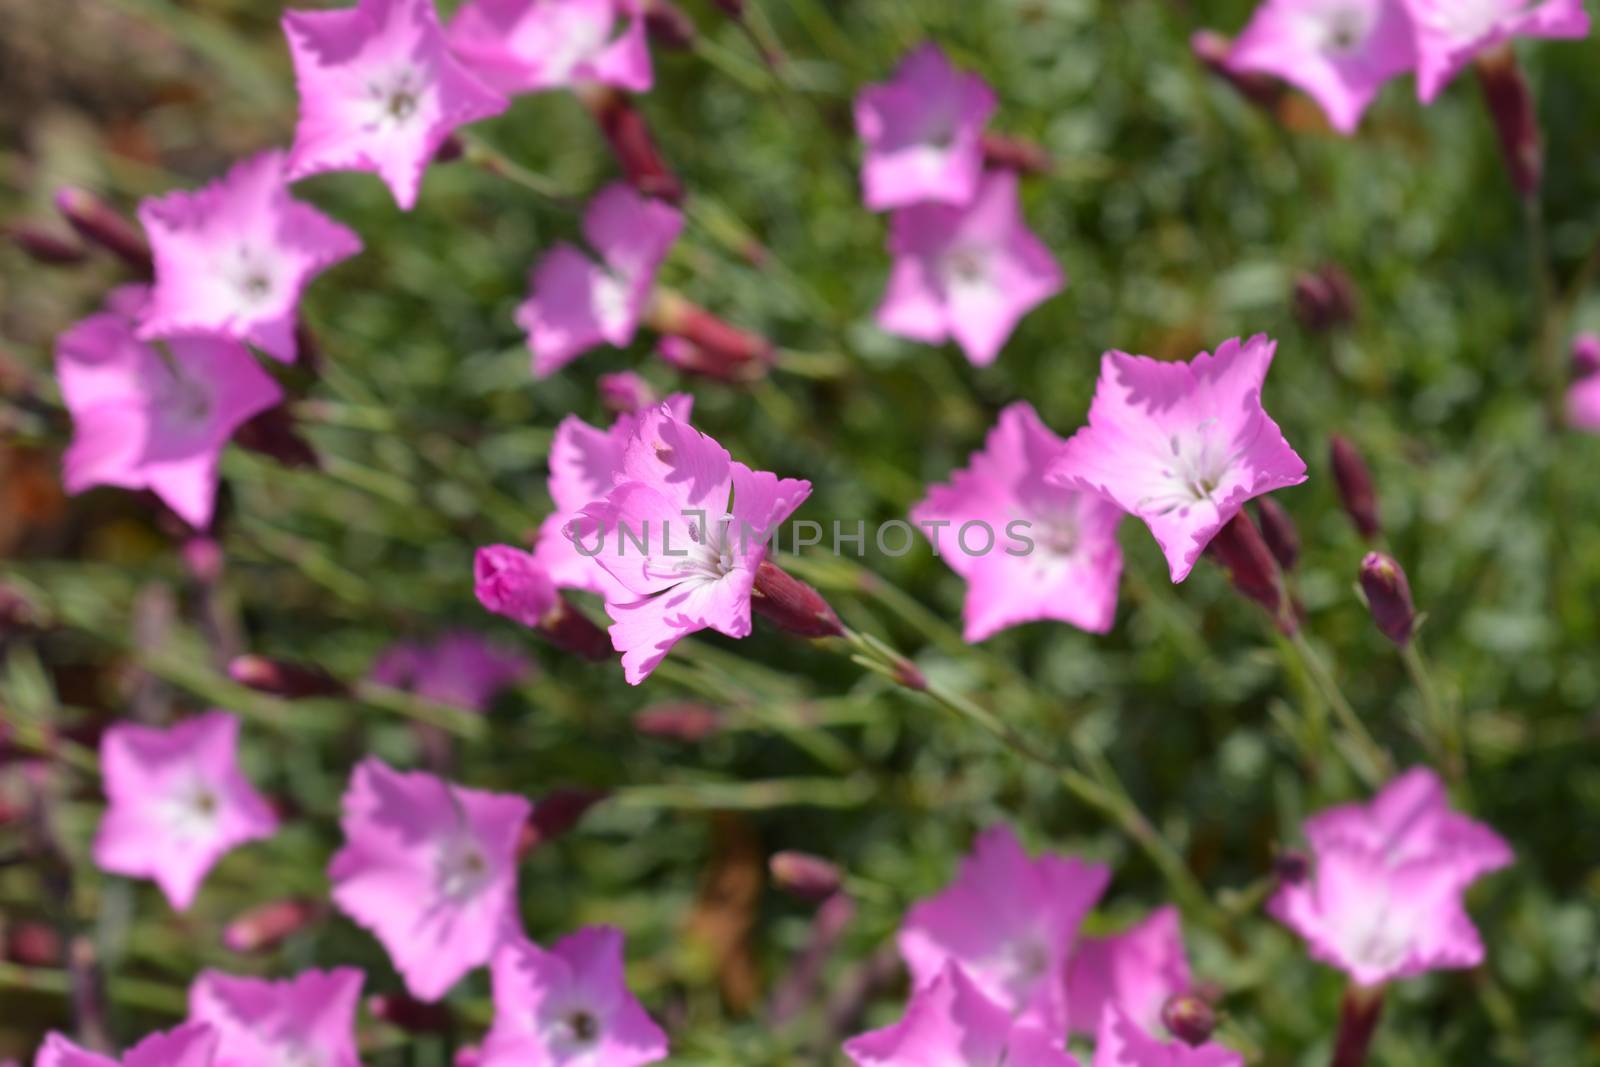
308 1019
190 1045
1384 896
1341 52
568 1005
141 421
969 273
430 868
1451 32
1027 548
924 133
1123 1042
233 257
1010 922
1583 404
525 46
1136 972
460 668
576 303
952 1019
1182 446
677 485
625 393
177 803
379 91
1586 353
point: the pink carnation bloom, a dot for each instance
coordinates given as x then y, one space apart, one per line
189 1045
379 91
584 464
512 583
704 521
141 421
461 669
1384 897
232 258
177 803
576 303
924 133
999 506
1341 52
1122 1042
524 46
568 1007
1451 32
1583 404
952 1021
1136 972
970 272
430 868
1181 446
309 1019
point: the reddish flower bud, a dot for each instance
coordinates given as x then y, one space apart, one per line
1015 153
266 927
571 631
1189 1019
1506 91
202 557
1291 867
449 150
34 944
293 681
410 1015
668 26
1389 596
274 434
678 721
625 393
1212 49
43 246
628 134
99 224
1356 491
698 342
1278 531
804 875
1324 298
554 814
1586 354
1240 548
468 1056
791 604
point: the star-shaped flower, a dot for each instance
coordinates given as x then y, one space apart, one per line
525 46
1451 32
189 1045
1181 446
379 91
233 257
308 1021
177 803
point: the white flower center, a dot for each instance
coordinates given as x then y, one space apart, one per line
1197 466
609 299
1468 20
1021 964
190 812
569 1029
393 100
1340 29
572 37
250 276
711 555
463 869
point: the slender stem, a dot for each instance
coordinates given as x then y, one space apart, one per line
1368 759
489 158
1358 1022
1443 722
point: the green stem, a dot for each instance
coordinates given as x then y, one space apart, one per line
1365 756
1443 722
490 159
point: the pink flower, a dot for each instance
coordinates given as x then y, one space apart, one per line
511 582
678 486
970 272
568 1006
1383 899
1583 404
1122 1042
1011 922
524 46
189 1045
460 668
178 803
430 868
924 133
379 91
141 421
232 258
576 303
309 1019
1339 51
1028 549
1181 446
1136 972
952 1020
1451 32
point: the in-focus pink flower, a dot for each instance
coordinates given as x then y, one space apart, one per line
576 303
1123 1042
233 257
177 803
379 91
309 1019
1182 446
1383 899
1028 549
1341 52
951 1020
190 1045
703 521
1010 922
1451 32
462 669
141 421
525 46
430 868
1583 404
569 1006
924 133
969 273
1136 971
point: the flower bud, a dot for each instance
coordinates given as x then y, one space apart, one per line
43 246
266 927
1251 567
1586 354
273 433
408 1013
1506 91
791 604
1291 867
510 582
804 875
1278 531
1212 49
668 26
679 721
99 224
625 393
34 944
1356 492
202 557
629 136
554 814
698 342
1189 1019
292 681
1324 298
1015 153
1389 597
